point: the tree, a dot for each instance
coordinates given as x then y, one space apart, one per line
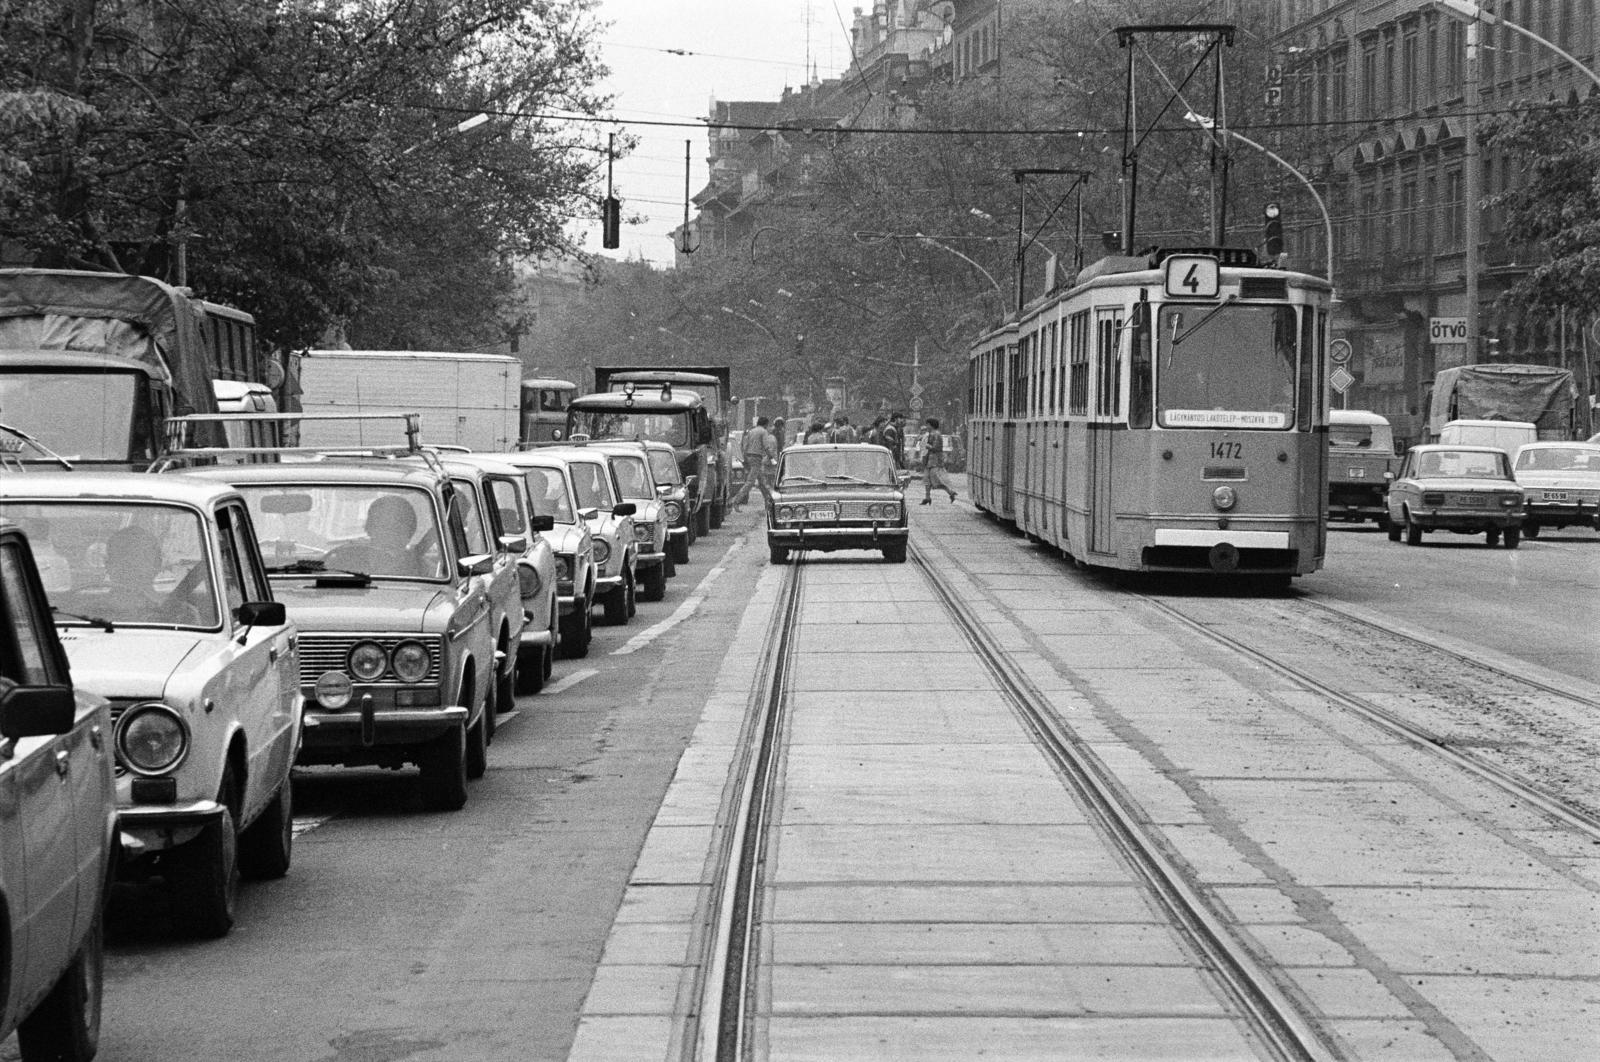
294 159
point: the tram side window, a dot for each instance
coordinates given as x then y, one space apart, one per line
1108 329
1140 394
1079 366
1308 363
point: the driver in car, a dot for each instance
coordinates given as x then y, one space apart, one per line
390 525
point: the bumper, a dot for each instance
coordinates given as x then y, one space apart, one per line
359 726
649 560
606 584
568 603
831 538
1561 513
678 532
146 829
1469 522
537 638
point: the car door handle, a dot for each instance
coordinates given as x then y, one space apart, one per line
63 761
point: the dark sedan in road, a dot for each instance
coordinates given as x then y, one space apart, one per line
833 497
1465 489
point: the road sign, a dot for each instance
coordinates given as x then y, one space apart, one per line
915 403
916 390
1340 379
1339 351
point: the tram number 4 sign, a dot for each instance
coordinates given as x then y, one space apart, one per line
1192 276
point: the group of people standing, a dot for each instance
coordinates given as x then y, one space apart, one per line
761 445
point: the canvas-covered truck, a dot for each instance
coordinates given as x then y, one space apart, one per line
470 400
92 364
1545 395
712 387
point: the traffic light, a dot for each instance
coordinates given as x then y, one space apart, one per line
1274 239
610 222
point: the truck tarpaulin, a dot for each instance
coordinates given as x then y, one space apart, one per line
1543 394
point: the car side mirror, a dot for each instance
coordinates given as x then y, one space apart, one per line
588 514
514 543
543 523
36 711
903 476
476 564
263 614
691 483
625 509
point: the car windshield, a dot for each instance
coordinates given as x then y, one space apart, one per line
592 485
1559 459
664 465
548 488
382 531
125 563
1462 464
812 467
83 416
631 424
1379 438
633 477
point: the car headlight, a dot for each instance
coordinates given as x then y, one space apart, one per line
674 511
367 661
333 689
564 568
411 661
528 582
602 552
1224 498
152 738
1510 501
883 511
644 532
786 512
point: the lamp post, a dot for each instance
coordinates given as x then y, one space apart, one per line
1327 221
946 247
1467 9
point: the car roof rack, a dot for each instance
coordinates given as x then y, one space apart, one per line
13 441
182 455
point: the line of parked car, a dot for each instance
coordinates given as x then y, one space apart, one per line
172 645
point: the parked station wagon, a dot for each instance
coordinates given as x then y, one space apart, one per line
630 472
397 648
165 609
831 497
610 521
550 489
1465 489
58 822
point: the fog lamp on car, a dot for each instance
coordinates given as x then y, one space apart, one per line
151 738
1224 498
410 661
155 790
333 689
368 661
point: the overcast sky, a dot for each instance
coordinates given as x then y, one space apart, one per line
742 50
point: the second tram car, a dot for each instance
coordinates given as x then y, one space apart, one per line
1166 413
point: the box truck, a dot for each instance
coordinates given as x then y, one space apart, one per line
469 400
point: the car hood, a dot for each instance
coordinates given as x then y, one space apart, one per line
127 662
1559 479
384 606
565 538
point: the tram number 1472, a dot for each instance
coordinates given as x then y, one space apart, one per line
1163 413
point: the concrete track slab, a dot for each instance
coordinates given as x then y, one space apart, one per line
894 852
975 944
1033 905
1032 1039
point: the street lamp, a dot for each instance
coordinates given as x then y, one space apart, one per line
1467 9
1327 222
946 247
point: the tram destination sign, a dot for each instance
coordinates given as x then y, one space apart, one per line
1192 276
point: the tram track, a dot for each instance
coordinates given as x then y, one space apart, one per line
1511 782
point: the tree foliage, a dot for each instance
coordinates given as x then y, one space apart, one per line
298 160
1556 202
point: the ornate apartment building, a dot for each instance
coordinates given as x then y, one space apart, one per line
1374 95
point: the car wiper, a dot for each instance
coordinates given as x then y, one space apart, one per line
856 479
299 567
340 575
798 479
93 621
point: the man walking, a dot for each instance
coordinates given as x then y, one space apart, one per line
933 461
753 450
894 437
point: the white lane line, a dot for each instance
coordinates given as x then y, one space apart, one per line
695 599
305 825
569 681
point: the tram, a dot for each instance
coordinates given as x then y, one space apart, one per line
1165 413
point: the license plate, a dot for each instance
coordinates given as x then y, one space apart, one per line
1472 501
1356 473
1557 495
820 514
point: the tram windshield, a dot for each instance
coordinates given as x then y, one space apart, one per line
1226 366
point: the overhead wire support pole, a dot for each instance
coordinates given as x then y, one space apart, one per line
1024 239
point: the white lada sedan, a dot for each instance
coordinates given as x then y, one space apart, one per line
164 608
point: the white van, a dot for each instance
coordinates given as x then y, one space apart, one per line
237 396
1504 435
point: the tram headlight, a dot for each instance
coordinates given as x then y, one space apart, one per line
1224 498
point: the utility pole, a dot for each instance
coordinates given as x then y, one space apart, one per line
1472 175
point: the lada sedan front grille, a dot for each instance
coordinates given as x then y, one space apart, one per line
330 652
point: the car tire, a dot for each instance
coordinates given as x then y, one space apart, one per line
444 771
1513 538
267 845
678 548
631 583
206 875
530 668
65 1026
1413 532
478 743
1492 536
1531 530
719 512
702 519
1394 530
669 564
655 582
895 553
616 606
505 691
778 554
576 631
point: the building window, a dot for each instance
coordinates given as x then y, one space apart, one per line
1408 70
1455 47
1337 101
1387 90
